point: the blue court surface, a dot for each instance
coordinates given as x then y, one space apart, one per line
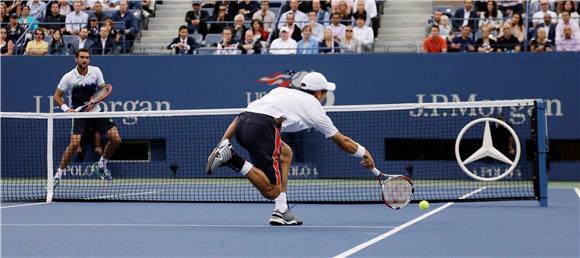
95 229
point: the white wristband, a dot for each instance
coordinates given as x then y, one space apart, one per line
360 151
64 107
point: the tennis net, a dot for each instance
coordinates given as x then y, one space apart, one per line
163 154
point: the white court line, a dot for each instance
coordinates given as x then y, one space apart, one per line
188 225
577 190
391 232
119 195
23 205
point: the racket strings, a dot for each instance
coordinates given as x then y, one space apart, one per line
397 192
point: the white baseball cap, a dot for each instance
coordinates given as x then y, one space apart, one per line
316 81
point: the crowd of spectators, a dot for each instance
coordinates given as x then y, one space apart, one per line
303 27
487 26
59 27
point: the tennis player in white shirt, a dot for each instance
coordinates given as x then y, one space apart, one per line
257 130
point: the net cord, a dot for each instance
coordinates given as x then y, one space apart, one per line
234 111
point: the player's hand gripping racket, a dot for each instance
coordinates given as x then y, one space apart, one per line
396 190
99 96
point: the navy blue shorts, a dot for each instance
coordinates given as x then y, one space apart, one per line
101 125
260 136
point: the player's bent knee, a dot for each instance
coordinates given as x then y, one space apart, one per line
270 193
286 154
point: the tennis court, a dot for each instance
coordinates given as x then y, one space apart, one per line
118 229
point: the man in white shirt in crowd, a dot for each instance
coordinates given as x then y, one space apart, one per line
37 9
284 45
363 34
322 16
338 29
566 21
545 9
300 18
569 43
83 42
76 19
257 130
266 16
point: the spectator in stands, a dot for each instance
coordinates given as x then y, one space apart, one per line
548 26
463 43
14 29
249 46
84 40
465 16
37 47
350 44
360 10
335 5
345 13
509 7
545 9
57 47
435 21
300 18
248 8
183 44
148 7
64 8
27 21
239 28
566 21
434 43
372 14
445 29
328 45
485 44
4 17
307 45
113 34
568 43
127 25
103 45
196 19
265 16
93 28
363 34
260 34
284 45
293 29
227 46
322 16
112 5
76 20
337 28
517 25
317 29
507 42
6 45
53 20
570 7
37 9
541 43
219 19
491 17
99 14
231 9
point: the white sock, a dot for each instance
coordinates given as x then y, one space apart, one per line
59 173
246 168
102 162
281 204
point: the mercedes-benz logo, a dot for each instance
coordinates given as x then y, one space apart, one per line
487 149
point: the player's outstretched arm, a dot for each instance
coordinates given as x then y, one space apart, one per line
231 129
348 145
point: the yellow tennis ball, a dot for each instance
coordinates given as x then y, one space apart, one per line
423 205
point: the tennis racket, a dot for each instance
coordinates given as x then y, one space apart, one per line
396 190
99 96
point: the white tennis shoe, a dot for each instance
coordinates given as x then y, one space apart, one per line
219 156
284 219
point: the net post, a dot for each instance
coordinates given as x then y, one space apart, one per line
49 163
541 141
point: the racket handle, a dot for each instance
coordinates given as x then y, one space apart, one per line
376 172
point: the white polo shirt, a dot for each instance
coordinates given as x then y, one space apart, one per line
300 110
81 88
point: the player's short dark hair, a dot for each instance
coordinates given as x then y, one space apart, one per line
435 26
182 27
82 50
